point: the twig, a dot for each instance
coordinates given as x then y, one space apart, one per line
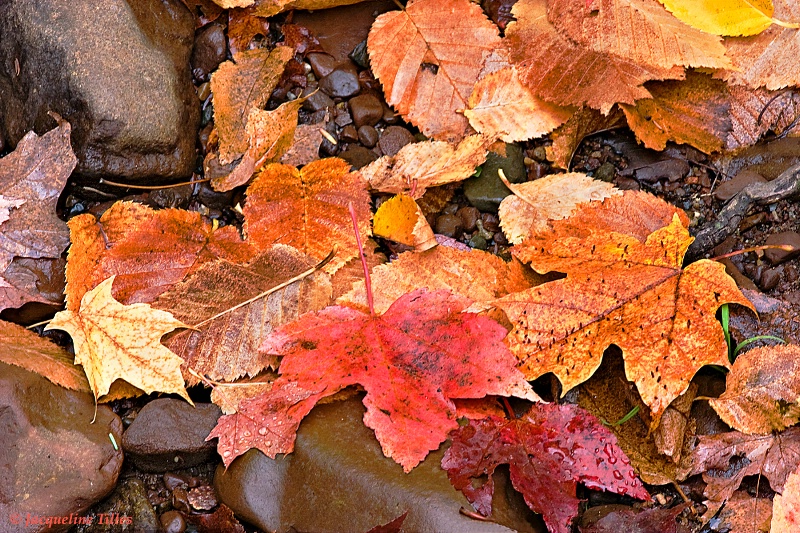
367 280
152 187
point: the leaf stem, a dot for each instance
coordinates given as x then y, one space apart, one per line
152 187
784 247
367 280
286 283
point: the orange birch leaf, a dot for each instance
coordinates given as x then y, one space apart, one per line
400 219
549 198
762 391
239 86
641 31
563 72
428 58
268 8
428 163
624 289
312 203
147 250
270 134
26 349
477 275
114 341
694 111
500 107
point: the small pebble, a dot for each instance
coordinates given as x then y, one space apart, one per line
729 189
770 279
321 64
478 241
349 133
448 225
203 498
469 217
366 109
341 82
540 153
180 500
358 156
776 255
318 101
393 139
172 480
368 136
210 47
490 222
172 522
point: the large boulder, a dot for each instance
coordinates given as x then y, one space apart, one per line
54 463
117 71
338 480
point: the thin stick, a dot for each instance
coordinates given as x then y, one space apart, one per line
42 323
784 247
152 187
286 283
367 280
680 491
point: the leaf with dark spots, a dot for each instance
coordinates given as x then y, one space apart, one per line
549 451
413 360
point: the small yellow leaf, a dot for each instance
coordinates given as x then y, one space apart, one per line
114 341
401 220
724 17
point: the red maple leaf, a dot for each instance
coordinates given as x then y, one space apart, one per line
412 361
549 450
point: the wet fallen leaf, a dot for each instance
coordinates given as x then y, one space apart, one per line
148 251
26 349
31 180
474 274
694 111
747 514
268 8
226 347
726 458
641 31
228 396
762 391
624 286
114 341
243 27
413 361
500 107
239 86
786 506
723 17
307 209
662 520
755 112
305 145
583 123
555 197
549 450
400 219
566 73
428 58
421 165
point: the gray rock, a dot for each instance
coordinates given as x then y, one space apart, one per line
53 460
342 82
368 136
117 71
393 138
168 434
337 479
487 191
127 509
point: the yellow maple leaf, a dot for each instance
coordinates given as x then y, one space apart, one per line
725 17
122 341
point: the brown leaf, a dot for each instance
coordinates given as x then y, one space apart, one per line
549 198
500 107
768 59
428 58
305 146
243 26
31 180
269 134
147 250
239 86
754 112
226 348
32 280
745 513
566 73
307 209
24 348
694 111
205 11
762 391
122 341
583 123
429 163
640 31
268 8
624 287
786 506
228 396
477 275
726 458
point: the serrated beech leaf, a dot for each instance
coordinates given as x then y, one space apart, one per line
413 361
549 450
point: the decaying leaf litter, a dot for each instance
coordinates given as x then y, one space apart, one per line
440 322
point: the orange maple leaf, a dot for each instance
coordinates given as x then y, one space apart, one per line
114 341
621 288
